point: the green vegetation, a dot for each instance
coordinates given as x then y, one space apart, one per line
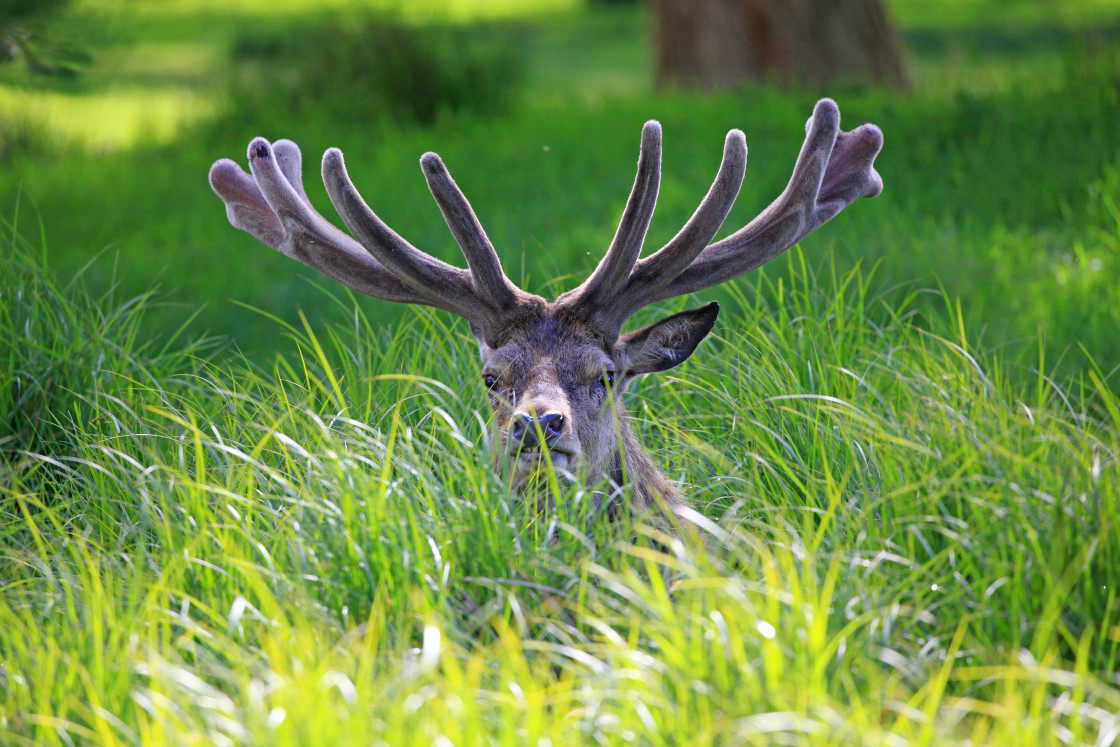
901 442
22 43
316 552
374 67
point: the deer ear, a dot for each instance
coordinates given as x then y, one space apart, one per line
666 343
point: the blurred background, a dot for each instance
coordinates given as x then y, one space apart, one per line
1001 164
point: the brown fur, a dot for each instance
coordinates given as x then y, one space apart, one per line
555 363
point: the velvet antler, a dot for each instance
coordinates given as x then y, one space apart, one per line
272 206
833 170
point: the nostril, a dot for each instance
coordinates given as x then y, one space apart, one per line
528 432
553 425
522 431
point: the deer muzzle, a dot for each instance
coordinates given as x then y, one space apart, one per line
533 438
528 433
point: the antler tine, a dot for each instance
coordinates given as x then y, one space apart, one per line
486 269
272 206
290 161
612 272
655 271
833 170
449 287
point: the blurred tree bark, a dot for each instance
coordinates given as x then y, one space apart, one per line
720 43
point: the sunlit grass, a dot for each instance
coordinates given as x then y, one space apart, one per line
903 545
417 10
108 119
197 61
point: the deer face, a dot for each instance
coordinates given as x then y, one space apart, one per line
556 385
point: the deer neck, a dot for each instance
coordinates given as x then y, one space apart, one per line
632 467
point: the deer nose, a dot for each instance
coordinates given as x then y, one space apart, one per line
525 431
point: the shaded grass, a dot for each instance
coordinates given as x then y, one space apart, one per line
63 349
375 66
911 547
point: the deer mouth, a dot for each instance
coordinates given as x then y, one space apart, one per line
535 458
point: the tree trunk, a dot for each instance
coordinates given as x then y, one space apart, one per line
720 43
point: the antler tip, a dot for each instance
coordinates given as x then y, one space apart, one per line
221 169
735 141
826 105
826 117
875 185
871 141
431 163
335 178
871 136
224 175
735 157
332 159
286 149
259 148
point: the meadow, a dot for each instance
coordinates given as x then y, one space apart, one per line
248 507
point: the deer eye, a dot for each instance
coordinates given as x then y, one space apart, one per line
607 379
490 380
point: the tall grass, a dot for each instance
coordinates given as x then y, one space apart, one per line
908 503
64 349
904 545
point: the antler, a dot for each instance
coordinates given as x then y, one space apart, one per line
273 206
611 275
833 170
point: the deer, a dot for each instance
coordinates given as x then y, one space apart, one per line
555 372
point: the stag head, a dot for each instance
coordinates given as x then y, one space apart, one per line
555 371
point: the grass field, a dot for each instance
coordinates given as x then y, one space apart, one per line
1001 165
901 442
